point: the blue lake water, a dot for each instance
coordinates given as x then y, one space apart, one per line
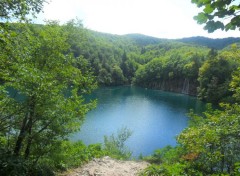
154 116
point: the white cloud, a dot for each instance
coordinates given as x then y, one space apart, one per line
160 18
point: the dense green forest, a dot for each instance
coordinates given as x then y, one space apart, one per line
47 69
154 63
157 63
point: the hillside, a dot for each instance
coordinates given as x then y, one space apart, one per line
143 40
210 43
169 65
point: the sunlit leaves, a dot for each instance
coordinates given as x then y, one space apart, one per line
215 140
170 69
235 85
214 78
37 65
208 9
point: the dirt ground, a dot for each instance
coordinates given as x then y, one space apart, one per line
107 166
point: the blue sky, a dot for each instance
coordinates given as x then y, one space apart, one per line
158 18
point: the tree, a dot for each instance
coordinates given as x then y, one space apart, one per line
218 14
235 85
104 77
115 144
214 78
49 104
212 141
124 65
117 75
19 9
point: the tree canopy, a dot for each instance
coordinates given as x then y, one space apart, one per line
19 9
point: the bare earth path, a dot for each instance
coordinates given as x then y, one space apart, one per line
107 166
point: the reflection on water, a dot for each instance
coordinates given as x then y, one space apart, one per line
154 116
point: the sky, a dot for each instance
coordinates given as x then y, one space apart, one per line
158 18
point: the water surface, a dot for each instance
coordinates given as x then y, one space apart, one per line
154 116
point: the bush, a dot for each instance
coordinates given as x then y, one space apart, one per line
72 154
11 165
114 145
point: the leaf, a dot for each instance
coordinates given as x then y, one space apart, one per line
230 26
211 26
236 21
201 18
208 9
234 7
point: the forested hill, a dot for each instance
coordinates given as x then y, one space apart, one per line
220 43
211 43
166 64
150 62
143 40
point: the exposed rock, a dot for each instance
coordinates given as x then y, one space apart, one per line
107 166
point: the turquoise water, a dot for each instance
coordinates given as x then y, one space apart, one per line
154 116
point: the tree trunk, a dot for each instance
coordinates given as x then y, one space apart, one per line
26 128
29 141
27 151
30 124
21 136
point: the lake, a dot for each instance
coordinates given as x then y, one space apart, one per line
154 116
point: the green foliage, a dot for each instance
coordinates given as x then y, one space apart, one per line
153 170
19 9
41 92
167 65
209 146
47 69
214 13
114 145
104 53
237 168
117 75
69 154
170 70
11 165
218 43
167 170
212 145
235 85
166 161
167 155
64 155
214 78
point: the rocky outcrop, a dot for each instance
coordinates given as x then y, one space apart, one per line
107 166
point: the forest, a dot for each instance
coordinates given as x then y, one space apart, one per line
46 70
